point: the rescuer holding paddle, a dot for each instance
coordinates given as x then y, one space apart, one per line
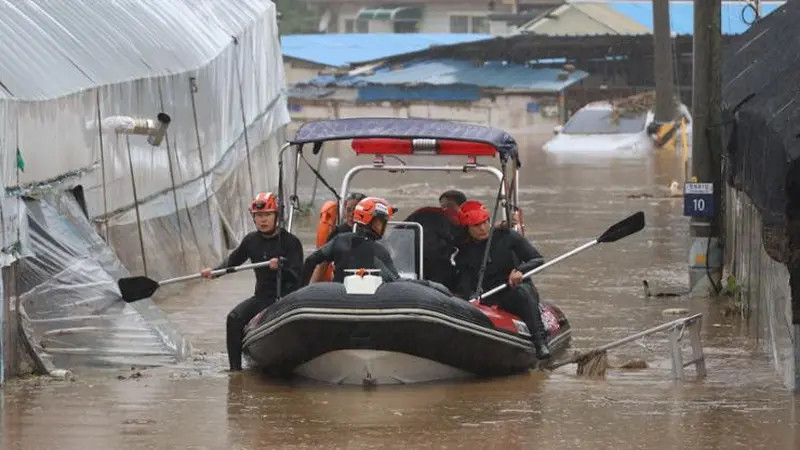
510 256
270 243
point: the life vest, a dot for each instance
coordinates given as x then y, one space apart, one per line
328 215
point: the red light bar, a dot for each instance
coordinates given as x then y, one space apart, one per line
384 146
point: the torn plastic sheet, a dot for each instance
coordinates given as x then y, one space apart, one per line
71 310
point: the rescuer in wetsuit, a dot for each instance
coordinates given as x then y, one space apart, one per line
452 200
441 233
510 256
268 243
349 206
358 250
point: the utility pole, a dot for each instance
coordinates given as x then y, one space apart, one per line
705 254
662 62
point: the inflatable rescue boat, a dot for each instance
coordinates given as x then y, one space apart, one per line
365 331
368 332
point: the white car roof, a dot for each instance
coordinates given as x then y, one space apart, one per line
602 106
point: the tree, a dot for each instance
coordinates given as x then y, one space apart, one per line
297 17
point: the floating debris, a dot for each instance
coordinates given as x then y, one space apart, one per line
669 292
635 364
635 105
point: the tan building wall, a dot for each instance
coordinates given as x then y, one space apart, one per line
508 112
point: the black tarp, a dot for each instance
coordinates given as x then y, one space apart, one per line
761 71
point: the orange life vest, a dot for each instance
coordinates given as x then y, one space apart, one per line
328 214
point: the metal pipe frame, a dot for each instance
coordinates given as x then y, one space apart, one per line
406 168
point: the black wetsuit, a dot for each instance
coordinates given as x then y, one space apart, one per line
341 228
357 250
509 251
258 247
440 236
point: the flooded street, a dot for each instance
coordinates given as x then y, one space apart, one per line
566 203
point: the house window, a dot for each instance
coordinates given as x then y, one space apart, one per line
459 24
480 25
356 26
469 24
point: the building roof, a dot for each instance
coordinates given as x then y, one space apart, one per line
342 50
682 14
443 72
55 48
587 19
760 72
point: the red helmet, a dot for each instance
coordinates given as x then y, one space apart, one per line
264 202
472 212
372 208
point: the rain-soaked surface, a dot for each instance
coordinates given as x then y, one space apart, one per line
198 405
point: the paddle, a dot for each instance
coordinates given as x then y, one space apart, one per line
625 227
138 288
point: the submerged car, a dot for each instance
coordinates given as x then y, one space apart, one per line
595 129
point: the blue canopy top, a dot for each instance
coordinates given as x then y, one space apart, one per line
385 127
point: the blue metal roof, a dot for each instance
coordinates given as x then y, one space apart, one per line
682 14
443 72
339 50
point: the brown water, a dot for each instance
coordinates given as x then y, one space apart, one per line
741 403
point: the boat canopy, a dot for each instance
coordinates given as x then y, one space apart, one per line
424 136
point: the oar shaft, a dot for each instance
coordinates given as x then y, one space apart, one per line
544 266
214 273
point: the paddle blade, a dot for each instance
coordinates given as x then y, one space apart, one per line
623 228
136 288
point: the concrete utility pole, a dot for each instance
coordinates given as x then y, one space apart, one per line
705 255
662 62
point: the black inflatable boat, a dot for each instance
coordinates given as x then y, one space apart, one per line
399 333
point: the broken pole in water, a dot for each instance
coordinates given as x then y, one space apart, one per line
702 197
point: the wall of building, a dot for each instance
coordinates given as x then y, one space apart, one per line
765 292
435 19
515 113
297 71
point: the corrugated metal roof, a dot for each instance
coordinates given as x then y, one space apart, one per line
682 14
341 50
54 48
493 74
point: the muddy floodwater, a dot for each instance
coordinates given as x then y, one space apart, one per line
741 404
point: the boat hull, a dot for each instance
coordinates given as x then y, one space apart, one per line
406 333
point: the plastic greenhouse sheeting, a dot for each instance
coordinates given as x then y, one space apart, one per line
70 308
216 69
227 79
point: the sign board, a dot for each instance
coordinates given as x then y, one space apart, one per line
698 199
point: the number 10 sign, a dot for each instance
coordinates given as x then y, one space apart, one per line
698 199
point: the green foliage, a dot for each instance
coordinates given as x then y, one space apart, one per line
297 17
732 287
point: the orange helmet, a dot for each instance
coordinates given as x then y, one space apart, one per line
472 212
264 202
372 208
